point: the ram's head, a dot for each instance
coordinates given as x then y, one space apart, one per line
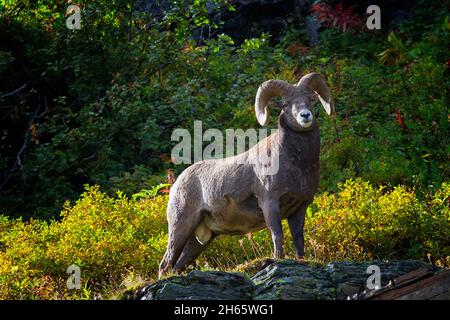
300 99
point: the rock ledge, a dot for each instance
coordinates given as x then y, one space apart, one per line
288 280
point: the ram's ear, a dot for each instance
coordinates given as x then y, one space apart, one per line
316 82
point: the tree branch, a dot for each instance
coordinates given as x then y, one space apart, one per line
16 91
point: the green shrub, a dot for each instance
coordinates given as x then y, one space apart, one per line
366 222
106 237
115 238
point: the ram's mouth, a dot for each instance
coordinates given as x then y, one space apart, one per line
305 124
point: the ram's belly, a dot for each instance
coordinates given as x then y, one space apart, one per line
237 225
236 218
245 216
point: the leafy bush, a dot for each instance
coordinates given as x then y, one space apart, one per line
364 222
338 17
111 239
108 238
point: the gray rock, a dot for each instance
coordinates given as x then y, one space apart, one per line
350 278
288 280
197 285
279 280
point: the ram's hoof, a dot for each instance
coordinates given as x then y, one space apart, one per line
300 260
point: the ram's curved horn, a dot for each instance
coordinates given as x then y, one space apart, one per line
316 82
266 91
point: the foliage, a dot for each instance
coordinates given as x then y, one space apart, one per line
108 238
114 238
364 222
100 103
147 82
338 17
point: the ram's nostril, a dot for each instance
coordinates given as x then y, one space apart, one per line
305 115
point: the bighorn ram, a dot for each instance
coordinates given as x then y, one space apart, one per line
235 195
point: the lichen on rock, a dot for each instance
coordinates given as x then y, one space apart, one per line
280 280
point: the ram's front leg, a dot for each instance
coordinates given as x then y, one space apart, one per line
296 224
272 217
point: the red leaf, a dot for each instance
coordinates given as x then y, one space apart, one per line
399 119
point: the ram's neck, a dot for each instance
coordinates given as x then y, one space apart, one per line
301 148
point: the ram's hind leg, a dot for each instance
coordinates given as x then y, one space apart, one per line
179 232
191 251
